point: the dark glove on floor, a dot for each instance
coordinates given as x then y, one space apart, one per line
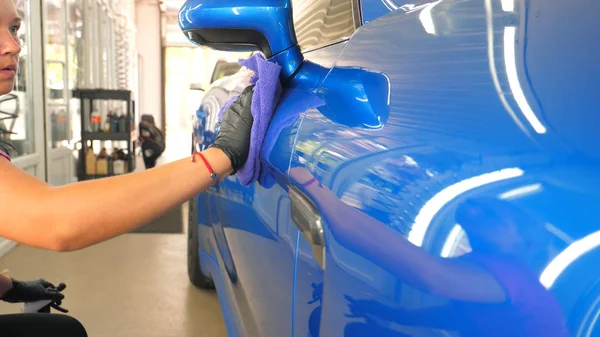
234 133
31 291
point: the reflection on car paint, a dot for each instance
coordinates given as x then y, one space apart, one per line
501 237
455 165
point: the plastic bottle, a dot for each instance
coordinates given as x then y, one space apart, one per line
118 167
123 123
118 162
95 121
126 159
90 162
102 163
115 123
111 166
125 156
108 122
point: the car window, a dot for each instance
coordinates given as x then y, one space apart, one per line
322 22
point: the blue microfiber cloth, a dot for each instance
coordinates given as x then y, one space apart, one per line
267 91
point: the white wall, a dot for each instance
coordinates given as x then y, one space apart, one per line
148 45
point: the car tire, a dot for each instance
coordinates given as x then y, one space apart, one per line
195 273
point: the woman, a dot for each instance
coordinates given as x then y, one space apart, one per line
152 141
61 219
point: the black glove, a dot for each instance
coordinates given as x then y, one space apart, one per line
234 133
31 291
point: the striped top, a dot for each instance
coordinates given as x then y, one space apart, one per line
5 155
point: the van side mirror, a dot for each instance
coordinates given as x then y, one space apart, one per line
244 25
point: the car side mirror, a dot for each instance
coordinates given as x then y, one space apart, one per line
244 25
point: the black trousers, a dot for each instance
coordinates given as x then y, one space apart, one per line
40 325
149 162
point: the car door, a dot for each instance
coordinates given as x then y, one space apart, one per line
254 258
255 239
420 112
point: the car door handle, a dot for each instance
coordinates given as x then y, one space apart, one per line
307 218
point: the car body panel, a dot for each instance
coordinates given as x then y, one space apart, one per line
425 107
373 9
448 132
250 231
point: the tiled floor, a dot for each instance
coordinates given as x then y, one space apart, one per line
132 286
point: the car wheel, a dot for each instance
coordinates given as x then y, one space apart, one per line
195 273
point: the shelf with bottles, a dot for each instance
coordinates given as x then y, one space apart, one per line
113 124
105 163
111 117
124 136
106 111
107 117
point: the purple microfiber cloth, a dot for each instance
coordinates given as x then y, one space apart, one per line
293 103
267 91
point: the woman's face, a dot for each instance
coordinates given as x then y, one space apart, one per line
10 45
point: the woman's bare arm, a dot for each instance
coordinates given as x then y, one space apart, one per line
82 214
452 278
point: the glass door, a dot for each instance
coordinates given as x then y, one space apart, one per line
61 164
76 60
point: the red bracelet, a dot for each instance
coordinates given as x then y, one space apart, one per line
310 182
213 176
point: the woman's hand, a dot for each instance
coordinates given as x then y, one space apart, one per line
31 291
234 134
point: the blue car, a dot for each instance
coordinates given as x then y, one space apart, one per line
431 169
